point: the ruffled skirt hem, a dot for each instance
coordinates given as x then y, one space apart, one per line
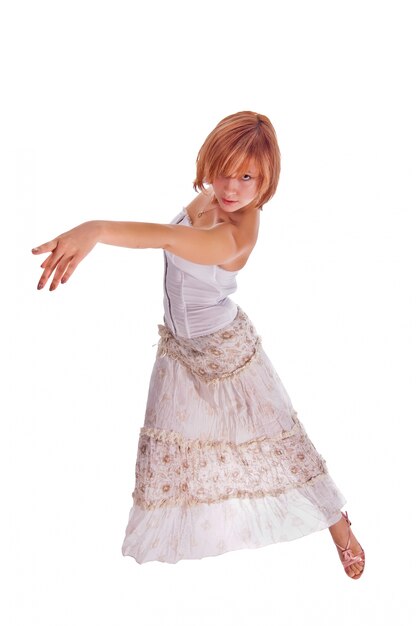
203 530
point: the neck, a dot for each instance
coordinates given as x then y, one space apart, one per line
210 204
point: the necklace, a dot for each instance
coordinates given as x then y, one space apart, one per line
205 211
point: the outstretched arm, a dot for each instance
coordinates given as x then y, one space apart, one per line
214 246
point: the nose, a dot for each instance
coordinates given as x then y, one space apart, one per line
230 186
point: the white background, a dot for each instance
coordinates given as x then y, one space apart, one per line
104 106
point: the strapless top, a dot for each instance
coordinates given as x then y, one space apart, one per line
196 297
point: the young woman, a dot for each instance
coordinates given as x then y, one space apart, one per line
223 461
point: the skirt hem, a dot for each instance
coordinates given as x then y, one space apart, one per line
255 545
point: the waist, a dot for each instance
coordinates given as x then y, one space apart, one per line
184 320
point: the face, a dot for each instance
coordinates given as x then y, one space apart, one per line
234 193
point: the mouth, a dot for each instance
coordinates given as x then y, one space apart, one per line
228 202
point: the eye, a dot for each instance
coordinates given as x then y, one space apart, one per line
246 177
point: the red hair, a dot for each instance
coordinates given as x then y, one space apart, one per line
235 141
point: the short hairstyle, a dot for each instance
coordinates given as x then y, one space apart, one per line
236 140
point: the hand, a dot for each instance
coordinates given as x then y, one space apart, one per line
66 252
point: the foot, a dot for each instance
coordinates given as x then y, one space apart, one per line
340 532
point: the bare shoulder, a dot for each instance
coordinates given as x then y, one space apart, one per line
245 224
205 213
246 230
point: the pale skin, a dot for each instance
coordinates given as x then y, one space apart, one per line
225 235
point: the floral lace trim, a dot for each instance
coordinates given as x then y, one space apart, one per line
217 356
190 500
172 470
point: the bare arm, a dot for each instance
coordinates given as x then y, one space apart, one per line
213 246
217 245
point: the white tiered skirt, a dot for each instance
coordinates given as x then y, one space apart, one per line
223 462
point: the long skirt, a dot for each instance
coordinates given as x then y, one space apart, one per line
223 462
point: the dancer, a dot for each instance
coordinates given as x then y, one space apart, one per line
223 461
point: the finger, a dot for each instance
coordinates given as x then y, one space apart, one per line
60 269
48 271
53 259
45 247
69 270
47 260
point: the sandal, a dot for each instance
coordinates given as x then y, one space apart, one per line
348 558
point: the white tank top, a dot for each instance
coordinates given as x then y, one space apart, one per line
196 298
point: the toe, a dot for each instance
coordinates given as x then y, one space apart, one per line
353 570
